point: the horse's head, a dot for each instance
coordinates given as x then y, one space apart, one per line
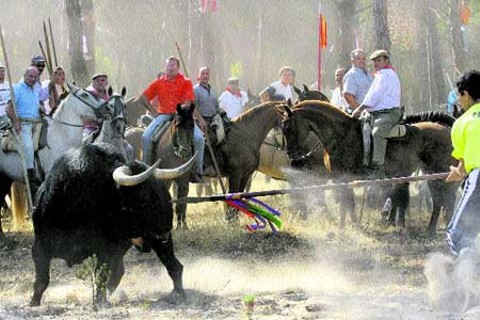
117 112
295 134
182 131
308 94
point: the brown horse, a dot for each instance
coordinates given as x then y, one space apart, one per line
426 146
239 156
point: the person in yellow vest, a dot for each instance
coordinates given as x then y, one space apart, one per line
465 223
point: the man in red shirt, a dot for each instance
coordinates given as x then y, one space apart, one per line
171 89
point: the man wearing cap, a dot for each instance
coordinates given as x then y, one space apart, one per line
356 81
99 89
233 100
27 104
382 101
170 89
280 89
39 62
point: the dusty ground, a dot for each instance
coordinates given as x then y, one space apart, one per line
311 270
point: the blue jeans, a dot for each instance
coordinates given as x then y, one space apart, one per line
27 143
198 140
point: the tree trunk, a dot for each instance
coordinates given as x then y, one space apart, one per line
459 56
381 33
88 28
422 79
75 50
347 20
437 83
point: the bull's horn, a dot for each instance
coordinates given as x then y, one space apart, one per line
123 175
167 174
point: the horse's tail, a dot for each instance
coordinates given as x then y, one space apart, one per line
431 116
18 197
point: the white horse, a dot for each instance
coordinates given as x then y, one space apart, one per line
64 132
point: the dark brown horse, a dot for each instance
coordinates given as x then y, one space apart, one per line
174 149
427 146
239 156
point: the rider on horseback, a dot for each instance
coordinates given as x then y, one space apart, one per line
382 101
27 103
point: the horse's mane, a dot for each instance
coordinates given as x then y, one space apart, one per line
315 105
253 112
430 116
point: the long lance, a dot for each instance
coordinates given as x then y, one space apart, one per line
353 184
17 138
207 140
53 43
49 56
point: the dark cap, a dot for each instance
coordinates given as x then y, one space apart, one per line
379 53
38 59
98 75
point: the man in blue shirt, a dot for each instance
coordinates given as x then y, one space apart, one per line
27 104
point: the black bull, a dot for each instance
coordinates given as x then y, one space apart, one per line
81 211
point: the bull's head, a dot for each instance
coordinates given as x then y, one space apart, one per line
123 175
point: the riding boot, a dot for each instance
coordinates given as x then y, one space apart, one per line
33 181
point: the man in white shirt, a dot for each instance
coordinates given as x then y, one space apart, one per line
337 95
233 100
382 101
281 89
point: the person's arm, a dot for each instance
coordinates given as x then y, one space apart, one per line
11 114
146 103
350 98
457 173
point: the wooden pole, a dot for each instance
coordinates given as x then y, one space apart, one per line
49 56
353 184
17 138
53 44
319 62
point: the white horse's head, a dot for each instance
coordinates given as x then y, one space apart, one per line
78 106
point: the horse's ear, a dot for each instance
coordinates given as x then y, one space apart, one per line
289 103
297 91
288 111
192 107
72 87
305 88
124 92
179 108
110 91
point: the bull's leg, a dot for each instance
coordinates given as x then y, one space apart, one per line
165 252
438 193
117 269
41 260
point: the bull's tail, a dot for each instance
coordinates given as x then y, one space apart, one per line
18 195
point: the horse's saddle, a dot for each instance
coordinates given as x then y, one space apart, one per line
160 130
398 131
9 143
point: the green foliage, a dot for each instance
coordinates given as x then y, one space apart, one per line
94 277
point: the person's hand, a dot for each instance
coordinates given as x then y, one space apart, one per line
17 127
455 175
202 124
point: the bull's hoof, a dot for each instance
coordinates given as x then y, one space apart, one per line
177 297
34 302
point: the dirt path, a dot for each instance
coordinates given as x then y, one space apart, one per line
325 279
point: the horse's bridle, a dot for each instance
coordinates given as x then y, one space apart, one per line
181 151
